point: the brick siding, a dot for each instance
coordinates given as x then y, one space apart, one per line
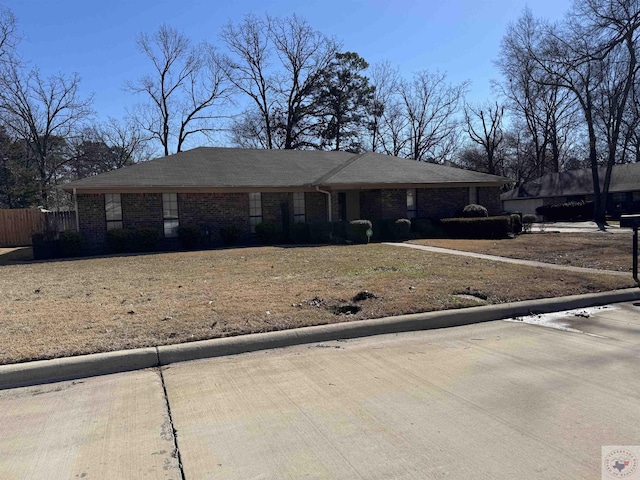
211 211
489 198
441 202
383 204
92 222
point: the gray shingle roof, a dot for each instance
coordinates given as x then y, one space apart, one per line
624 178
213 167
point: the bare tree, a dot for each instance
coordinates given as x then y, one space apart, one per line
546 112
578 56
306 56
484 126
279 64
9 36
182 93
430 106
248 69
385 79
125 139
43 113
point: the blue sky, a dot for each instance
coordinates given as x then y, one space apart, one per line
96 39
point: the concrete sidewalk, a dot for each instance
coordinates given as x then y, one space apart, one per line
497 400
517 261
577 227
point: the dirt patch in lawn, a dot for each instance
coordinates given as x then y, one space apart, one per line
604 251
63 308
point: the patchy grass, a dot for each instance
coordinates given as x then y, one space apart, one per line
53 309
604 251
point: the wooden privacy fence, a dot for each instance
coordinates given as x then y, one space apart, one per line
18 225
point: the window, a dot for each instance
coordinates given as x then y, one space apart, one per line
255 210
298 207
170 214
411 203
113 210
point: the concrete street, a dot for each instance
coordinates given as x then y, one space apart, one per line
498 400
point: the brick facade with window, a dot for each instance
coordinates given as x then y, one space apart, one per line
211 211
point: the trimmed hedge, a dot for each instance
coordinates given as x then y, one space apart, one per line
474 211
146 239
267 233
229 235
391 230
567 211
300 233
189 237
516 224
119 240
70 244
356 230
477 228
427 228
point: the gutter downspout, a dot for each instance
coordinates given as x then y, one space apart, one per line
75 205
328 194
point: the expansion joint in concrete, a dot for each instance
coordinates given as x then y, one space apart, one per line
174 432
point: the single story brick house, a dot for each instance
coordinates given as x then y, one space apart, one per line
575 186
214 187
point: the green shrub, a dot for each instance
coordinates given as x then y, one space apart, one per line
356 231
267 233
320 232
516 224
474 211
384 230
567 211
230 235
189 237
426 228
402 229
300 233
70 243
146 239
490 227
527 222
119 240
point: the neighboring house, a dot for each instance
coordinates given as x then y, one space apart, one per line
214 187
577 185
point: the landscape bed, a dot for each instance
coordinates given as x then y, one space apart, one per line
61 308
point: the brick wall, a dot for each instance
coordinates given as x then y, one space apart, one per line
142 210
441 202
92 222
315 204
489 197
383 204
214 210
272 210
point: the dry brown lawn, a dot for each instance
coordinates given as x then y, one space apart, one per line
605 251
62 308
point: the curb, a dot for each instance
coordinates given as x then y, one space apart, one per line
82 366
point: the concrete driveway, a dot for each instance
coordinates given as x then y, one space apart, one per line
499 400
